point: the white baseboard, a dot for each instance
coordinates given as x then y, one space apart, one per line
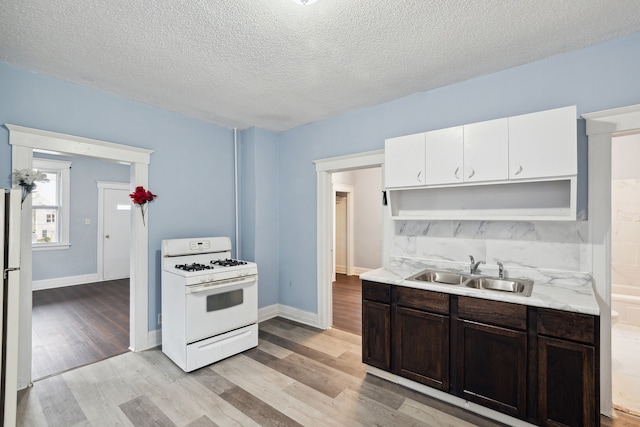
268 312
154 338
59 282
360 270
300 316
341 269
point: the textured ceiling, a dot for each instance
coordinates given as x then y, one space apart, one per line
276 65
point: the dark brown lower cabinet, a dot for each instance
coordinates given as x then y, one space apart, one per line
536 364
376 334
422 347
566 384
492 368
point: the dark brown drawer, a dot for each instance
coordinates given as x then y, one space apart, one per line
376 292
493 312
419 299
567 325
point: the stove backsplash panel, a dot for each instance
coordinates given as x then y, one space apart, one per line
537 245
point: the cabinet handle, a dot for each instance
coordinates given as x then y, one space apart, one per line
473 172
456 172
519 170
418 177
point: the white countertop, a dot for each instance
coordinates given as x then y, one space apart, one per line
559 290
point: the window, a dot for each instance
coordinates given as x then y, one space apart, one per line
50 206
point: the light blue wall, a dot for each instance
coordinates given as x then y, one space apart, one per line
81 258
595 78
191 169
259 209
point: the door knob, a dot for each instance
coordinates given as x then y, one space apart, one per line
107 236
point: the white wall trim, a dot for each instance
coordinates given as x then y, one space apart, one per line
102 185
325 208
24 141
154 338
59 282
268 312
297 315
600 128
287 312
349 189
360 270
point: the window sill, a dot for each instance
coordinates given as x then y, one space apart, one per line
51 247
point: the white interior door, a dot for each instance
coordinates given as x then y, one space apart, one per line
10 261
115 230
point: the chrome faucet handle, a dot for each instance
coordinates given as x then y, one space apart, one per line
500 270
474 265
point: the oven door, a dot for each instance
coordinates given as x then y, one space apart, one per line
218 307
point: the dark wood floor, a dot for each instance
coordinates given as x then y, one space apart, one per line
77 325
347 303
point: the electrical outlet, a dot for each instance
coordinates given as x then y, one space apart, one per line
159 318
87 221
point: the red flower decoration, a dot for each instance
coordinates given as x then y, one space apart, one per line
140 197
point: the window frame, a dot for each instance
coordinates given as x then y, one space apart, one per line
64 189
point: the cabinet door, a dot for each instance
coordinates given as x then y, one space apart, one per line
567 388
404 161
422 347
444 156
486 151
491 367
543 144
376 334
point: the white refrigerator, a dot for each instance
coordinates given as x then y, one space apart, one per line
10 211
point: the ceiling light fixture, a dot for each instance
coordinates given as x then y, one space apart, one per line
304 2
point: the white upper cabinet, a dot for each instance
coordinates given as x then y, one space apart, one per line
404 158
444 156
543 144
486 151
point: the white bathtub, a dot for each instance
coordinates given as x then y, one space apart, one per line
626 301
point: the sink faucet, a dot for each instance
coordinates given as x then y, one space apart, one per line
500 270
474 265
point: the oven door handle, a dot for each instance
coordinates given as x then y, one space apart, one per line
222 285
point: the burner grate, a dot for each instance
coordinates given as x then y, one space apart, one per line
228 262
193 267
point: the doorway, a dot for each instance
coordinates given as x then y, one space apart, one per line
24 141
601 128
327 170
114 220
625 263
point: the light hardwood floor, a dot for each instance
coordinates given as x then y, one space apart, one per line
297 375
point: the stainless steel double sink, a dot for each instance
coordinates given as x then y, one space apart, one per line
522 287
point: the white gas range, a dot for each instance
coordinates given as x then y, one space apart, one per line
209 302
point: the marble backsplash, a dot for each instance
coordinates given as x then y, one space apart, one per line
537 245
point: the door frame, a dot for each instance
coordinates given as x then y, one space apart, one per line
348 189
601 127
23 142
104 185
324 219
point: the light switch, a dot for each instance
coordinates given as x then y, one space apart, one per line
87 221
